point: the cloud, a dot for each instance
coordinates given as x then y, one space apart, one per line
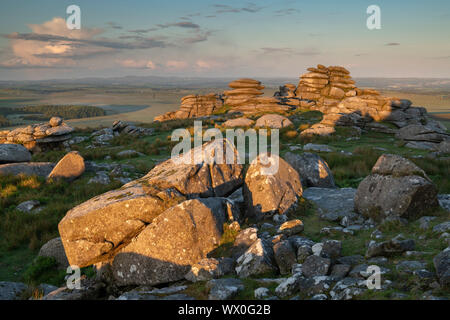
176 65
289 51
286 12
52 43
200 37
223 8
138 64
141 31
183 24
392 44
207 64
114 25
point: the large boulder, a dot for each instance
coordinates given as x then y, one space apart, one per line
70 167
175 240
396 188
312 169
442 265
10 153
40 169
92 231
238 122
271 188
274 121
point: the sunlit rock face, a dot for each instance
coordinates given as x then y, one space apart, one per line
99 228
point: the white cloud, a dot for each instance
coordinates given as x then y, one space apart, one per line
176 64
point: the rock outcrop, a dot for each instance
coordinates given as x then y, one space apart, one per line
194 106
274 121
39 137
96 230
396 188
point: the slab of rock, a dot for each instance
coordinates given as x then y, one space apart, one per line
224 289
11 290
316 266
209 268
40 169
274 121
396 187
70 167
28 206
312 169
317 147
333 204
92 231
442 265
11 153
238 122
55 249
258 259
174 241
271 189
284 256
292 227
394 246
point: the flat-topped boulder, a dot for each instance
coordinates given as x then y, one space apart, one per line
396 188
238 122
274 121
10 153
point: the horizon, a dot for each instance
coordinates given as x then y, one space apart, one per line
206 39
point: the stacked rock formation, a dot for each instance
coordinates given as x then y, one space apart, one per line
326 86
39 137
193 106
245 97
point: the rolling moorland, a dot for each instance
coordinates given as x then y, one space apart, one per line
349 155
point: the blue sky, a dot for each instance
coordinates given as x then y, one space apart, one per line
213 39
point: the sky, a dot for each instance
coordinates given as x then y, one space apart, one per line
199 38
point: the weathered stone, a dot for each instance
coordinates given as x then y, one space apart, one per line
312 169
258 259
442 227
289 286
292 227
11 290
55 121
40 169
93 230
394 246
274 121
209 268
333 204
442 265
316 266
157 256
70 167
28 206
224 289
11 153
271 189
284 256
55 249
317 147
238 122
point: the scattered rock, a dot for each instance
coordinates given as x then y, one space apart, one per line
209 268
317 147
292 227
261 293
333 204
258 259
40 169
224 289
284 256
442 265
312 169
70 167
11 290
316 266
394 246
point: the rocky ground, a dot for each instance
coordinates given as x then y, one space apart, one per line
143 226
